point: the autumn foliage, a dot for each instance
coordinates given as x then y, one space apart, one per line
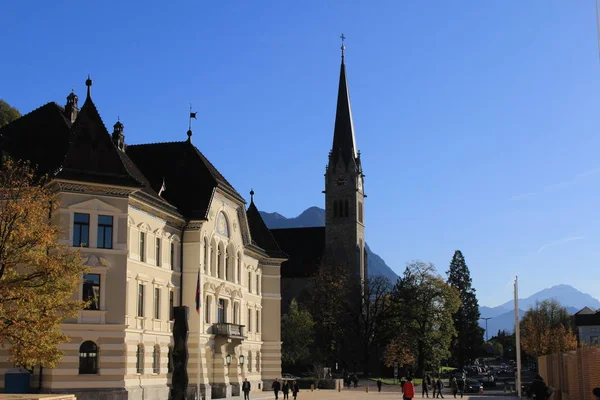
37 275
546 329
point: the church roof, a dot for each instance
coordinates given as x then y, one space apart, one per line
261 235
92 156
41 136
344 142
190 179
305 248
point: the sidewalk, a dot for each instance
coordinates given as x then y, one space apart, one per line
360 393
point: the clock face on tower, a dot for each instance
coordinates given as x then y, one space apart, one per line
340 181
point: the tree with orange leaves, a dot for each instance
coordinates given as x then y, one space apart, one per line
546 329
37 275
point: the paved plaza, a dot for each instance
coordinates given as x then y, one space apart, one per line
356 394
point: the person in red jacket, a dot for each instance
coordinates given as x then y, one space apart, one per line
408 390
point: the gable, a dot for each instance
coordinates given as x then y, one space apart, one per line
94 205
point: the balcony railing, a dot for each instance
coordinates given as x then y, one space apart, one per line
233 331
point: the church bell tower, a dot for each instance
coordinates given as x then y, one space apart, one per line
344 191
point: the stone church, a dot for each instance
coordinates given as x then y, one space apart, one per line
342 240
155 224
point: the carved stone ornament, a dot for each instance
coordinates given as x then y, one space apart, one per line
235 226
95 261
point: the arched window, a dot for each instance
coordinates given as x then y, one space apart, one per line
156 360
239 269
140 359
213 258
206 259
88 358
207 310
170 360
227 275
220 260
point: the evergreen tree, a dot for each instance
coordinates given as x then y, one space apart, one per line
469 339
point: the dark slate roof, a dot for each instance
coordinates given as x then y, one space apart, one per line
190 179
344 142
305 248
587 319
41 136
92 156
261 235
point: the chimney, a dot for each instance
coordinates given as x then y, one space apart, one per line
71 109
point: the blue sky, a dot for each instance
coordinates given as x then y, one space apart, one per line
477 120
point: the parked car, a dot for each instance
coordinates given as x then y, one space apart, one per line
289 377
473 386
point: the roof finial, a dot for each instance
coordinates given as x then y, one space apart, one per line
192 115
343 47
251 195
88 83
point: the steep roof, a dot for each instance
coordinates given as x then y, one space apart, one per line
92 156
305 248
261 235
41 136
344 142
190 179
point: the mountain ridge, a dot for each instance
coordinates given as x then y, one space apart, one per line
314 217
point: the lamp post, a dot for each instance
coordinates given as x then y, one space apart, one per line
486 331
228 359
242 360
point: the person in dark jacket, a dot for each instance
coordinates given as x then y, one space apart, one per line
440 386
285 389
538 389
295 389
379 384
276 386
426 382
596 392
246 389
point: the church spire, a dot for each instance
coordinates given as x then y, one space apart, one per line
344 143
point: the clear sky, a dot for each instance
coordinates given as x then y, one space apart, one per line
477 120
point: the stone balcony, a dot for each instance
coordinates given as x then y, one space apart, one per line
231 331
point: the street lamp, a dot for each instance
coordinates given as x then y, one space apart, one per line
242 359
228 359
486 331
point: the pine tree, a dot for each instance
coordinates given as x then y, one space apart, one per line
469 337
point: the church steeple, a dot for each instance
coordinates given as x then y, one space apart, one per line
344 142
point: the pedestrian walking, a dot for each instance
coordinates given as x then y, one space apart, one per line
246 389
285 389
295 389
425 388
379 384
539 389
454 386
408 389
434 387
440 386
276 386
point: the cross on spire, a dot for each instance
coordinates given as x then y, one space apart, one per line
343 47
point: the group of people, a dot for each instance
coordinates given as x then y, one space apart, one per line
285 389
436 386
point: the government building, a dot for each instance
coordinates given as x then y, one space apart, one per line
155 223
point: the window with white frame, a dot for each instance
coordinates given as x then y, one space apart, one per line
140 300
156 360
81 230
171 305
156 303
140 359
105 232
258 321
249 320
250 282
172 256
157 252
207 310
91 291
257 284
142 246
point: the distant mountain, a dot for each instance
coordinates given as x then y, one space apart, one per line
503 316
315 216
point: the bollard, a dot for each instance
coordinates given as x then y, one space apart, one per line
339 386
312 388
367 388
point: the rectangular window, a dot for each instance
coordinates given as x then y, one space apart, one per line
249 320
221 311
207 310
91 291
156 303
172 256
157 252
360 212
105 231
257 284
593 340
250 282
81 230
140 305
171 305
258 321
142 246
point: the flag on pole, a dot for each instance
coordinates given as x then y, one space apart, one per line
193 115
198 294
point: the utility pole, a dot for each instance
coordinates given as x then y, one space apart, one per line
486 330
